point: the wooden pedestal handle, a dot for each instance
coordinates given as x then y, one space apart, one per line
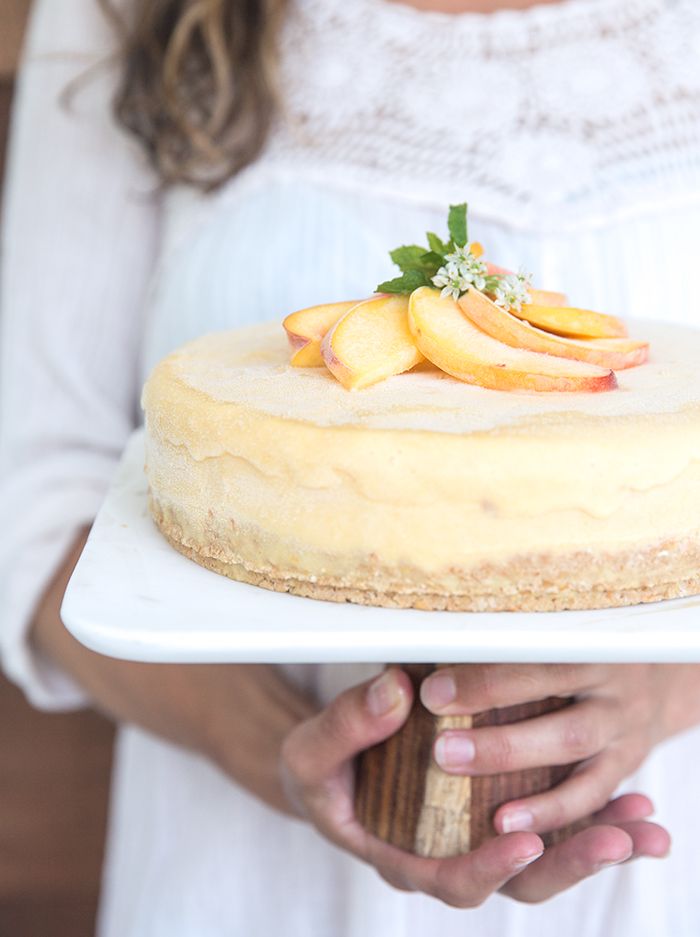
402 797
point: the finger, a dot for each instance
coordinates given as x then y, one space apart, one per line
568 863
468 883
473 688
396 879
362 716
648 839
586 791
625 807
563 737
463 881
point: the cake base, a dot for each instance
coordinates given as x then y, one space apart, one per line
545 586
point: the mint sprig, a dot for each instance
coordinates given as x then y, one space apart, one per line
408 257
454 267
457 224
436 244
418 265
409 281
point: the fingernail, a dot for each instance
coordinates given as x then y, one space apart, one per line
528 860
610 862
517 820
454 751
438 691
383 695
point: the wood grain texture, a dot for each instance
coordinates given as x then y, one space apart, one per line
445 820
391 777
403 798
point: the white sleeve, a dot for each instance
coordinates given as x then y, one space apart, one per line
78 243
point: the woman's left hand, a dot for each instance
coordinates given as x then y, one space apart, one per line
620 712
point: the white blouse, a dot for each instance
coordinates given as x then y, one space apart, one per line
574 131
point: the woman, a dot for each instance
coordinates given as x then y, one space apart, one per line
383 114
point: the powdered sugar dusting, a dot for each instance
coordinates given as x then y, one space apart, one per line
250 366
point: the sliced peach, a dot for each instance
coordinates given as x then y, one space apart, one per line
547 298
517 333
571 322
305 330
371 342
454 344
495 270
634 351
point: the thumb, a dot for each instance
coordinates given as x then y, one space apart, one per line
360 717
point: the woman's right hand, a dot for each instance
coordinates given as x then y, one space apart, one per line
317 771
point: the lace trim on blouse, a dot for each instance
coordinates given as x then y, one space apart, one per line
545 118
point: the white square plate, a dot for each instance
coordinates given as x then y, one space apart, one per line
133 596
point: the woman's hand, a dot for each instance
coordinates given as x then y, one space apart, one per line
620 713
318 776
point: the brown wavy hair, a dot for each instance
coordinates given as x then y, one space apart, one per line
198 86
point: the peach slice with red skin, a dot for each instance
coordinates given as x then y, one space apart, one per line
371 342
571 322
306 328
616 354
454 344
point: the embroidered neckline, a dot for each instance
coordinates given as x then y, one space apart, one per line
524 109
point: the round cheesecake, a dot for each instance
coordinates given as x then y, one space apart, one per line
423 491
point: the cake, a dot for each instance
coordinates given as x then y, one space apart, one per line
459 440
422 491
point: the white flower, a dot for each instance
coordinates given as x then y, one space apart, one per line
461 254
461 271
452 282
512 291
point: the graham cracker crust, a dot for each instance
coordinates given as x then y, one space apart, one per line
567 586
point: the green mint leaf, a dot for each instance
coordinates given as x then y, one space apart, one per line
408 257
436 245
413 258
431 262
457 224
406 283
418 266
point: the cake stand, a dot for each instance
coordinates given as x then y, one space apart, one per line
133 596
